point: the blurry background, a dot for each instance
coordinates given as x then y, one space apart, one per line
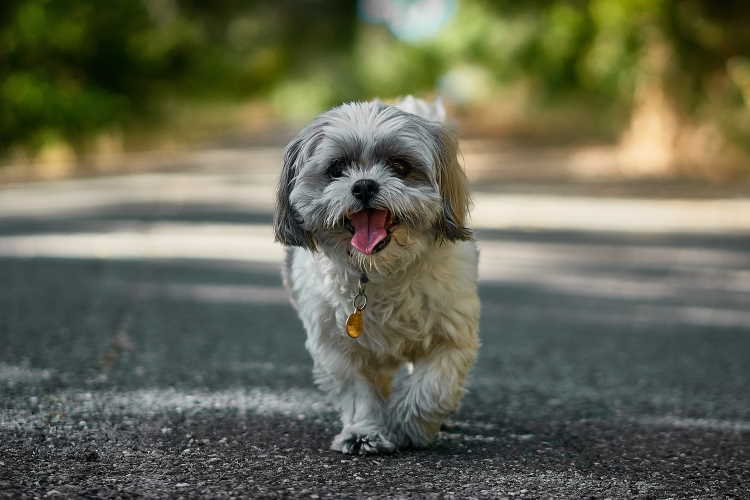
664 84
147 345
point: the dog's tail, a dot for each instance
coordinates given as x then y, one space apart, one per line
434 110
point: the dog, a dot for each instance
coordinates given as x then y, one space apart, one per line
372 206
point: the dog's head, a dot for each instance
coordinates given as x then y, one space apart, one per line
373 183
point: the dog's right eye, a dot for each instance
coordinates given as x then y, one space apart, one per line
336 168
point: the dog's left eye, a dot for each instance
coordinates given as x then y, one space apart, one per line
336 168
400 167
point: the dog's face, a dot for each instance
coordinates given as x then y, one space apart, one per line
371 183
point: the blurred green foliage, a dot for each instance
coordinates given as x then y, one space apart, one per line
69 68
600 50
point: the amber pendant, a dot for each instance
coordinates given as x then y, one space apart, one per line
355 324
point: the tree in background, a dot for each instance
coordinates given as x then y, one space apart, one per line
71 68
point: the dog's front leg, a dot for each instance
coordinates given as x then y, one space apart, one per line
359 402
429 394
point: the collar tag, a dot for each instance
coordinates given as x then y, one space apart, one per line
355 323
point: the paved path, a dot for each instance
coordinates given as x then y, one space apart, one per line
148 348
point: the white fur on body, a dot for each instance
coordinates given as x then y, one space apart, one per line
426 314
422 302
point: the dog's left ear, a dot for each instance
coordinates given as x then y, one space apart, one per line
454 188
287 225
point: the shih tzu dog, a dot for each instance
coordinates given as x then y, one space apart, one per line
382 268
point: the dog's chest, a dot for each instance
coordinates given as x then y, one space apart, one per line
406 320
405 314
399 312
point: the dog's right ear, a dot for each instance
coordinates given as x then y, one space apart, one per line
454 189
287 224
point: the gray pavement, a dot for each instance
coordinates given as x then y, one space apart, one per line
148 350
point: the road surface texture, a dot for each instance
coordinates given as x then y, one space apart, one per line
148 348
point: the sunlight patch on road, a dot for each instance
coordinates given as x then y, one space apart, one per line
11 375
624 271
251 188
494 253
635 315
212 293
585 285
71 408
468 437
697 423
713 317
472 425
259 401
610 214
249 242
268 367
632 272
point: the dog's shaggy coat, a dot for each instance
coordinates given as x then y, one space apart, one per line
423 308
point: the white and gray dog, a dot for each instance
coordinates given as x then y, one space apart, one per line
373 206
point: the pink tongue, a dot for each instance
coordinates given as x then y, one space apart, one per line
369 229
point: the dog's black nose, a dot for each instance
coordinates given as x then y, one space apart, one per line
365 189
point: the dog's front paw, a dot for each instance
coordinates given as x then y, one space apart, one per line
359 441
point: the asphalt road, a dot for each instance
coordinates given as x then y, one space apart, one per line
147 348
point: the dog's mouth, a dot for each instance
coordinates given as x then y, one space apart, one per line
371 229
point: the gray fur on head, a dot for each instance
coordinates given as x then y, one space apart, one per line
369 140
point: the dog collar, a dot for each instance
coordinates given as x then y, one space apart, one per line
355 323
